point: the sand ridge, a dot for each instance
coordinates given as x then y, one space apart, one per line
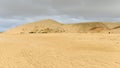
51 26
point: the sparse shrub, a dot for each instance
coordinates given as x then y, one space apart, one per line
32 32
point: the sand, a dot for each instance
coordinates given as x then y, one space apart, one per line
60 50
51 26
50 44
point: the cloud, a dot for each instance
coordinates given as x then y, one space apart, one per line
17 12
26 8
7 23
91 8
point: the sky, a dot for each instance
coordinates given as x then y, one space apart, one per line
17 12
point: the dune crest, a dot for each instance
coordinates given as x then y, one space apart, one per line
51 26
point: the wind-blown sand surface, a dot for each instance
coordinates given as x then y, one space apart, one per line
51 26
50 44
60 50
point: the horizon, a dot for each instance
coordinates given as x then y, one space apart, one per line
56 21
52 20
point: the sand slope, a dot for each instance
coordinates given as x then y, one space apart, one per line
43 26
61 50
51 26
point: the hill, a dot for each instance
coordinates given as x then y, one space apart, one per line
51 26
44 26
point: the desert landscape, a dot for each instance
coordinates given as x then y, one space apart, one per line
50 44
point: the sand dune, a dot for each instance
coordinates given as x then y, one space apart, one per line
51 26
82 45
44 26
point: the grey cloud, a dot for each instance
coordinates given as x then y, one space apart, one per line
16 12
87 8
26 7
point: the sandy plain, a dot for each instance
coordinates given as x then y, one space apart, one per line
60 50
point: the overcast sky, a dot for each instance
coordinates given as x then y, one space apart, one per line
17 12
